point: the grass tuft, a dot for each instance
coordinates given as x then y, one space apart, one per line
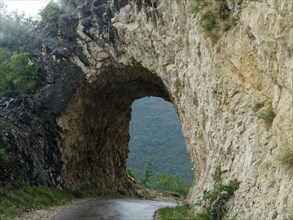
179 212
215 17
286 156
264 111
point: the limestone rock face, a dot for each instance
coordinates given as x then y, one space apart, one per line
125 50
213 86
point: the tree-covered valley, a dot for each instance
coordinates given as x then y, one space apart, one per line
155 134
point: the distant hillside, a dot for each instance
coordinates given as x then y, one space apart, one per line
155 134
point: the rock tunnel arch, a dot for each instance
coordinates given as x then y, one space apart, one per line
213 86
95 127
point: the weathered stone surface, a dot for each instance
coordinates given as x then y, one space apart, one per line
124 50
29 136
95 126
213 87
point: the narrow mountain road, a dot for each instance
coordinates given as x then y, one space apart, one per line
113 209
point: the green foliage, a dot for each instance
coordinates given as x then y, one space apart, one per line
179 212
208 22
15 202
163 182
171 183
214 16
215 200
18 73
275 215
155 134
130 172
264 111
217 174
146 181
51 12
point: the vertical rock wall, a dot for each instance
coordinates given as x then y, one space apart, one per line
214 86
125 50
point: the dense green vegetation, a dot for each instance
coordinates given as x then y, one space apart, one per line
155 134
176 213
14 202
171 183
18 71
214 201
162 182
148 175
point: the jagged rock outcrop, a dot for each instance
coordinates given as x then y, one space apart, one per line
124 50
29 136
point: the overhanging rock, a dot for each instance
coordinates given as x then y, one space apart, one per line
123 50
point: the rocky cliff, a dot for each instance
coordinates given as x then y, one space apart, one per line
233 91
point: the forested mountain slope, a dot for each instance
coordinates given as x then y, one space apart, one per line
155 134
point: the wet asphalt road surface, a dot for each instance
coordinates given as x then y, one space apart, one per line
112 209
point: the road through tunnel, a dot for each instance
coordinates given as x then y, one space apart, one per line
99 56
95 128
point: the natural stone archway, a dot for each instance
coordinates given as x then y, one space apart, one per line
117 51
95 126
212 87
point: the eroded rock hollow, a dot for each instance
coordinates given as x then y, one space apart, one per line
119 51
95 126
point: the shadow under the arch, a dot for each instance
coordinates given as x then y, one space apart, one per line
95 128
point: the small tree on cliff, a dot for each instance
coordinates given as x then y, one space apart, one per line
146 181
18 73
51 12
